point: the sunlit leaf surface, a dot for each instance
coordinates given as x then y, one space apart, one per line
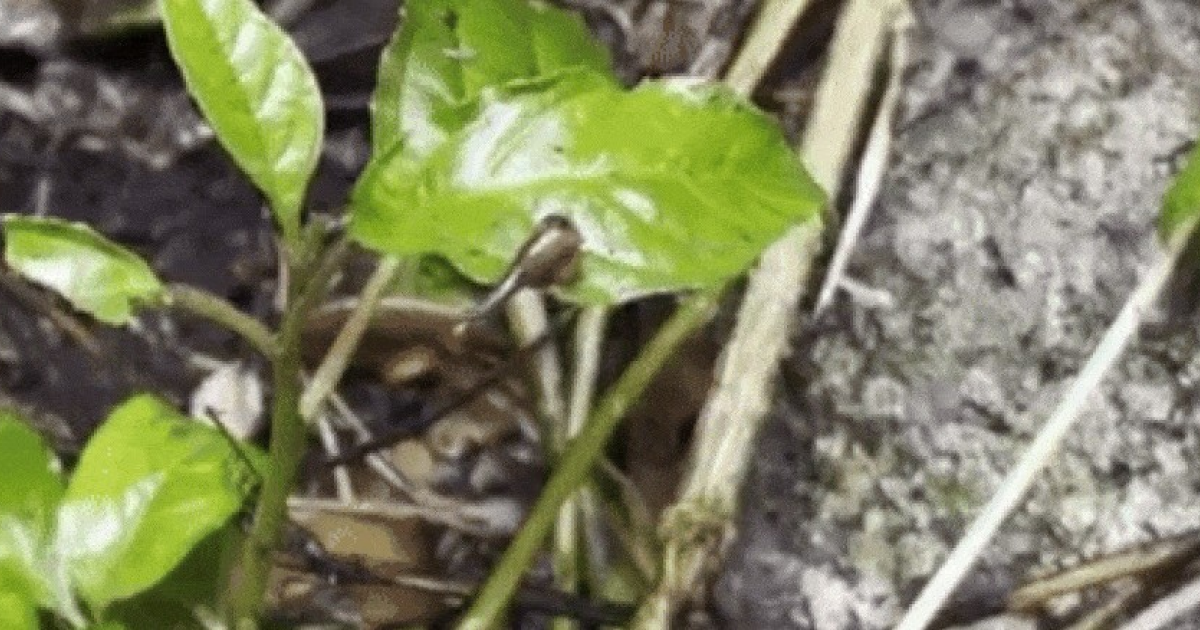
30 490
150 485
30 483
674 186
447 51
17 612
91 272
257 92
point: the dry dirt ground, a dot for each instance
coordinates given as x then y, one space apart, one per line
1034 142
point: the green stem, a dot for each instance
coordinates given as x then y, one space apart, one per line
289 437
323 269
217 310
577 460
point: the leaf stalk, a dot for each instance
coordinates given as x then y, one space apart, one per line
218 310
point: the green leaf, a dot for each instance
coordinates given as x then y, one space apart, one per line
258 93
1181 205
447 51
21 549
673 186
150 485
30 483
17 612
29 567
94 274
30 489
194 584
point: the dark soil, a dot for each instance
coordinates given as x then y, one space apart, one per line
101 131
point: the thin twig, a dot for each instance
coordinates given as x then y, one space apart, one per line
236 446
1127 594
380 466
43 303
589 340
775 20
341 477
568 533
870 176
1156 558
1165 613
333 366
1014 487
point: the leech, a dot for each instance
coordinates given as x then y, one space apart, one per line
549 256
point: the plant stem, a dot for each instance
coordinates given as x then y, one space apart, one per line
289 437
333 366
219 311
694 528
577 460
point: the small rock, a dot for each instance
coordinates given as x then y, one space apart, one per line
232 394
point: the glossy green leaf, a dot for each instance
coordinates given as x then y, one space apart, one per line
30 483
447 51
94 274
258 93
30 567
22 544
150 485
673 186
30 489
1181 205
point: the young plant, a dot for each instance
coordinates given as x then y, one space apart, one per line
490 118
150 486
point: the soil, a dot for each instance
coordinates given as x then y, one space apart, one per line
1034 143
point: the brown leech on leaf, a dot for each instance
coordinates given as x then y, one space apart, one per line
548 257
